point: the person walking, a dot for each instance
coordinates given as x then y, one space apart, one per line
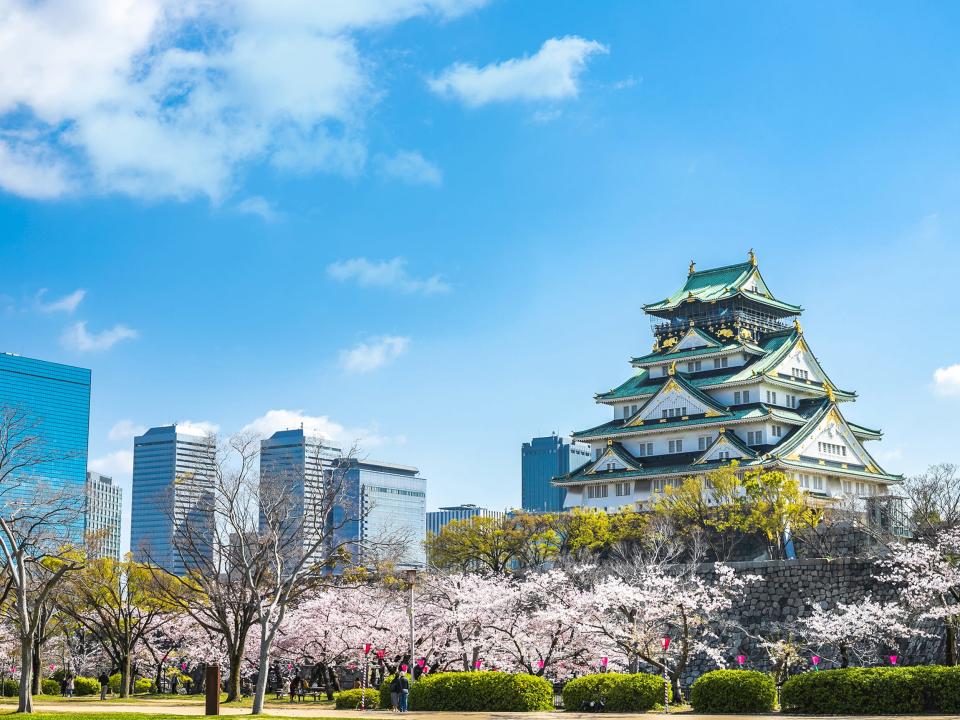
395 692
104 681
70 686
404 693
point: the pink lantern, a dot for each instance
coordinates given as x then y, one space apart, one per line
816 662
13 669
665 643
741 659
478 664
183 666
893 659
403 668
289 666
380 654
540 664
52 667
366 648
426 669
421 662
603 661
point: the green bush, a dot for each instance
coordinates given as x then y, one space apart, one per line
874 691
637 692
385 691
733 691
11 688
85 686
142 686
481 691
350 699
49 687
115 683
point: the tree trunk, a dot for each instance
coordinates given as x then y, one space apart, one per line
261 689
233 676
35 685
844 657
950 655
125 676
26 675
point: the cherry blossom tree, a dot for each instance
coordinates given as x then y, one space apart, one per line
926 574
855 631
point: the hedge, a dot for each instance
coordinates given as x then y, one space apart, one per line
143 685
483 691
11 688
85 685
49 687
874 691
638 692
350 699
733 691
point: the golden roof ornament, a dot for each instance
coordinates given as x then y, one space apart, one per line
673 368
693 268
753 257
829 389
609 443
796 326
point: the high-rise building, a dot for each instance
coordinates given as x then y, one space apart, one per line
394 502
54 402
101 516
173 485
543 459
294 462
438 518
730 378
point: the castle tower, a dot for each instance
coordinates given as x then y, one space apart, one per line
730 377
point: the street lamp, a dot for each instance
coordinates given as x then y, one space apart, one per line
665 644
411 575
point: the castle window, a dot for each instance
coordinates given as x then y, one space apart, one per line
723 455
720 362
611 467
832 449
693 366
755 437
676 446
847 487
791 401
800 374
703 442
861 489
646 449
772 397
778 431
626 412
622 489
597 491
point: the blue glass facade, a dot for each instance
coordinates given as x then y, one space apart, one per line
543 459
173 482
56 399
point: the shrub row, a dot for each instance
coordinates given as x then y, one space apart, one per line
480 691
874 691
618 692
733 691
350 699
49 686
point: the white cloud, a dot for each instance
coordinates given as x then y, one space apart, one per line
115 464
199 427
946 380
409 167
259 206
372 355
551 74
391 274
77 337
167 98
321 426
67 304
125 430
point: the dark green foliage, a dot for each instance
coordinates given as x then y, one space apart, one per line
733 691
11 688
143 685
50 687
874 691
481 691
620 693
85 686
350 699
115 683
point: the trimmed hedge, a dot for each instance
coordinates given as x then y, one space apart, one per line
637 692
49 687
733 691
142 686
85 685
874 691
11 688
483 691
350 699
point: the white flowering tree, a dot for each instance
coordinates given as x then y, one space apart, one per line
855 631
927 576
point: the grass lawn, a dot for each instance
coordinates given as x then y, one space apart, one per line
160 700
121 716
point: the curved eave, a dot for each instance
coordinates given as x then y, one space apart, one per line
660 358
669 305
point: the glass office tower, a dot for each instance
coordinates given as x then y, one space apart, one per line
438 518
101 516
543 459
55 401
173 485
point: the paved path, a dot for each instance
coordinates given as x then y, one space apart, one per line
172 707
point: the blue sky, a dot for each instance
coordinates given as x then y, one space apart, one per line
431 224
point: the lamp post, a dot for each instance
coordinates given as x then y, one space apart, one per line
665 643
411 574
366 672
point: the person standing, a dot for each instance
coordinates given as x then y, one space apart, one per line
70 686
395 692
104 681
404 693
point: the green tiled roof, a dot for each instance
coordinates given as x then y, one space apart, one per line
662 356
616 427
861 430
734 440
719 284
643 384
